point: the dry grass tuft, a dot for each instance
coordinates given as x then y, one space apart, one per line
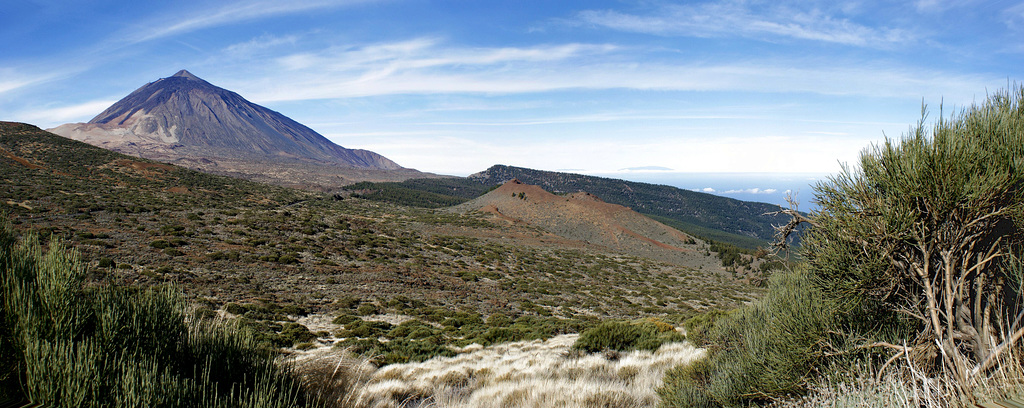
903 386
529 373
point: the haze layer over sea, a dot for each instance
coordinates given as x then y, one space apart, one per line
761 187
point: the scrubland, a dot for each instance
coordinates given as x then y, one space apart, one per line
910 292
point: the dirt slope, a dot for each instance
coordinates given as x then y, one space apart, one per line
584 217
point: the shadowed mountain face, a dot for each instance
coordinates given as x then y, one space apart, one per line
188 111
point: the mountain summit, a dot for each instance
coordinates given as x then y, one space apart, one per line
184 111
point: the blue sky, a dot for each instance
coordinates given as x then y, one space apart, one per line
602 87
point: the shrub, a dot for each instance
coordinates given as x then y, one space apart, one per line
367 309
919 246
160 244
687 386
412 329
767 348
626 336
62 344
921 239
347 302
344 319
498 320
296 333
497 335
234 308
365 329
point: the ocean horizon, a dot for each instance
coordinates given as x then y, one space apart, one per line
770 188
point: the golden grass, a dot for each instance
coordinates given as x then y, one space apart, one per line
520 374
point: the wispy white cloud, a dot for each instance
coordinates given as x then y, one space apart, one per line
754 190
593 118
235 12
608 154
730 18
259 44
431 66
939 6
52 116
1013 17
423 53
77 61
10 82
12 78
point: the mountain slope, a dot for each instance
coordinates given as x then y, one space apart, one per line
53 177
722 219
187 121
185 110
222 240
583 217
688 207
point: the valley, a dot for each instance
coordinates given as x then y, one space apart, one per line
282 252
325 256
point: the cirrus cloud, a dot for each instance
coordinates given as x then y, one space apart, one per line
742 19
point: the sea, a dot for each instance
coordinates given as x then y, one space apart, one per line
771 188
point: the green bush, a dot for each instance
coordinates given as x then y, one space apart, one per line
687 386
235 309
626 336
412 329
498 320
916 243
399 350
767 348
348 302
365 329
498 335
160 244
105 262
297 333
64 344
919 245
367 309
699 327
344 319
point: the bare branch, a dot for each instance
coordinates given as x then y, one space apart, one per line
782 232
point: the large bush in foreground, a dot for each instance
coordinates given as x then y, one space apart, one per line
68 345
914 258
757 351
923 236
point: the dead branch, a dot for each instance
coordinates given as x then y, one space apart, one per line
782 232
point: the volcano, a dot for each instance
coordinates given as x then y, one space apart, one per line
185 111
187 121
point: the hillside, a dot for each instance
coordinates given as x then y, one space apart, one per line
700 209
584 217
722 219
228 240
393 285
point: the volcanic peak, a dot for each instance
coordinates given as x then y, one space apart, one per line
186 117
185 74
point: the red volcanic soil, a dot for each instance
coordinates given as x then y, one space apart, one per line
584 217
